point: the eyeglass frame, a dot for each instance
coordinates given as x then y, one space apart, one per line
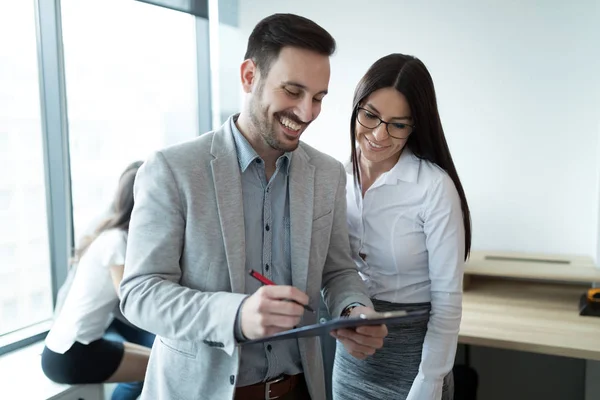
387 124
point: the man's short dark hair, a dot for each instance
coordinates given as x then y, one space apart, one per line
273 33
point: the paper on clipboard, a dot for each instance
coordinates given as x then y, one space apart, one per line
387 318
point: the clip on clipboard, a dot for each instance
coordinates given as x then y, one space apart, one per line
382 318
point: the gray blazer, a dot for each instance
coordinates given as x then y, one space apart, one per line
184 269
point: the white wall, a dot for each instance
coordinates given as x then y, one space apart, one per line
518 86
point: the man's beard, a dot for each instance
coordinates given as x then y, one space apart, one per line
266 127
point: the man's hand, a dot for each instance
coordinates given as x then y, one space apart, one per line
269 311
364 340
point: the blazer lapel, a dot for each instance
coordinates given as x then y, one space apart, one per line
301 214
228 189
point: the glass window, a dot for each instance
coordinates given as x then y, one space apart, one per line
131 88
25 283
232 48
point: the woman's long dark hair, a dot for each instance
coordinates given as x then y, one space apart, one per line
409 76
121 209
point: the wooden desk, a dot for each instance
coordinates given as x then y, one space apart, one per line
533 266
528 316
530 302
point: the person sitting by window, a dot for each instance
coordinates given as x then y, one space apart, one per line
89 342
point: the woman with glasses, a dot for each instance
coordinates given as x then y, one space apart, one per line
410 233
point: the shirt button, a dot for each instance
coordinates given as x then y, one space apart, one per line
269 348
267 267
267 228
232 379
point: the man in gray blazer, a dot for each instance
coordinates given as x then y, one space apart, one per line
247 196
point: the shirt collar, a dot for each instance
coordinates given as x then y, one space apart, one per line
246 153
406 169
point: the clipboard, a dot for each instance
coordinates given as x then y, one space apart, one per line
387 318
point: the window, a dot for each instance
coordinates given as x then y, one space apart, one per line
232 47
25 283
130 87
130 71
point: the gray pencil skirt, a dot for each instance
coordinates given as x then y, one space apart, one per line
390 372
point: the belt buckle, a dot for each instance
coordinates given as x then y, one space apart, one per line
268 387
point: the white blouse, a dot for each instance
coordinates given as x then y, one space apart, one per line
409 229
88 308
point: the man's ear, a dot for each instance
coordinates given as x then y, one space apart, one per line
249 74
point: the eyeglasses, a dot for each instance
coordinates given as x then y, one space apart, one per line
397 130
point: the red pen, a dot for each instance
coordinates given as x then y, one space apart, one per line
264 280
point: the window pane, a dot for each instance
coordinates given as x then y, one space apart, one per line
25 284
232 48
131 89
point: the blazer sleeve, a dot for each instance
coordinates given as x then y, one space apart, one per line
342 285
151 296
